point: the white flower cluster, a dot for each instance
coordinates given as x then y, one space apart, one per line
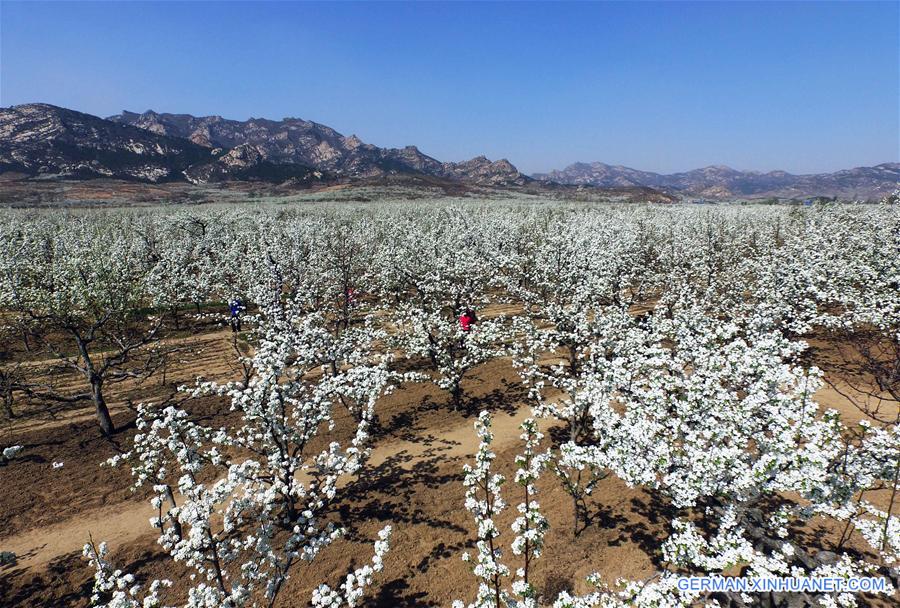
354 586
10 453
115 589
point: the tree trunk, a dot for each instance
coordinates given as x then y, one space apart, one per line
96 382
887 519
456 393
174 520
575 515
103 416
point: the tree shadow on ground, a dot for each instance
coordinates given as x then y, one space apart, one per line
507 398
397 594
406 420
439 552
658 512
396 482
602 517
22 587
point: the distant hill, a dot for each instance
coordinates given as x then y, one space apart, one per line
720 182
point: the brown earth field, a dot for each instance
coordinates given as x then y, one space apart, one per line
413 482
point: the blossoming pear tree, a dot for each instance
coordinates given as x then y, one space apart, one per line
485 501
250 499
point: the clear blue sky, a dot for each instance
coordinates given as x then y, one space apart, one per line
805 87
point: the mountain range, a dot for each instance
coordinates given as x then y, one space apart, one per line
45 141
720 182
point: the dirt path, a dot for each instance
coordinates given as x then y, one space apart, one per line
121 523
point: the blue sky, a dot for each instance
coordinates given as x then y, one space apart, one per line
804 87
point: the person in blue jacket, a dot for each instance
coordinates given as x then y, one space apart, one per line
236 309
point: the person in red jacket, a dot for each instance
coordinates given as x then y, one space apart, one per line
467 319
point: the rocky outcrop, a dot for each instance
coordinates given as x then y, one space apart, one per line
484 172
246 162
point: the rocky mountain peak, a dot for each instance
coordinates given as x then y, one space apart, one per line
352 142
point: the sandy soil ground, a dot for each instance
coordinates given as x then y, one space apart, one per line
413 482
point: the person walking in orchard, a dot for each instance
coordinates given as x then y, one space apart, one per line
236 307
